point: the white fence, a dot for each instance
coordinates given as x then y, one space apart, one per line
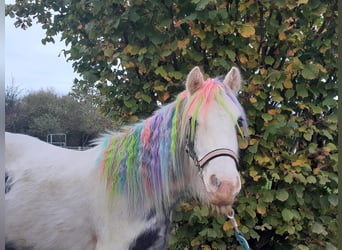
78 148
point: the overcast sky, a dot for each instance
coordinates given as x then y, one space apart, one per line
33 66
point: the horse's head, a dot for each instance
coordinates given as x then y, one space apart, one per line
213 114
149 163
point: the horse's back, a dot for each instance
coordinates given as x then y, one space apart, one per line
19 147
25 154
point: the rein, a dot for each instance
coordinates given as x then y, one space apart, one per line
238 234
200 163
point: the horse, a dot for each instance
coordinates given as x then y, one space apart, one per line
120 194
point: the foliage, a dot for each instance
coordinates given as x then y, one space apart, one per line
287 50
44 112
12 97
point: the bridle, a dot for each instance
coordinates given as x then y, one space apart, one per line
200 164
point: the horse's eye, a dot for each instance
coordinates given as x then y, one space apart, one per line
240 121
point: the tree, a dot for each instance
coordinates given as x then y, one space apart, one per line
44 112
136 52
12 98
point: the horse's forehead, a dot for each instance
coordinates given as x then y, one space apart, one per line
218 116
223 104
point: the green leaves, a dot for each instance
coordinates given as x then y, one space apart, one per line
282 195
200 4
289 214
302 90
310 71
318 228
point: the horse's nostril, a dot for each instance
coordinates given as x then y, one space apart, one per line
215 181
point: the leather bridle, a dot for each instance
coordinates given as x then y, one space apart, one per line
200 163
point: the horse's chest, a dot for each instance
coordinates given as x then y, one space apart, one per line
153 238
149 234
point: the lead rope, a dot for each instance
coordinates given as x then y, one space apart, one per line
238 234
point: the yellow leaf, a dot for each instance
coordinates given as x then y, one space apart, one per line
272 166
129 65
321 68
178 23
142 70
288 84
246 30
324 49
243 143
302 106
195 242
291 52
252 64
253 141
263 71
298 163
276 176
243 59
261 209
246 5
272 111
222 5
267 159
128 49
207 28
254 174
256 178
285 166
316 171
133 118
182 44
282 36
253 100
295 64
227 226
196 31
164 96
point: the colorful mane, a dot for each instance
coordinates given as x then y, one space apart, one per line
143 161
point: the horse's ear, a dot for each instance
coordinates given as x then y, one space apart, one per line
194 80
233 80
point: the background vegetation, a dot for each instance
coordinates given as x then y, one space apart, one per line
136 53
44 112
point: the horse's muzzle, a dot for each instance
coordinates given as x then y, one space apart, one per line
223 192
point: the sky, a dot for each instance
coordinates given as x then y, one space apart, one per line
32 66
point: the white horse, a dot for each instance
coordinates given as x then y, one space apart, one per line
119 194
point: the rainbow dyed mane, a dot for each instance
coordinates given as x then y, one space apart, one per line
145 161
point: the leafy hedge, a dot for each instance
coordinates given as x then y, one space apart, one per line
289 196
287 51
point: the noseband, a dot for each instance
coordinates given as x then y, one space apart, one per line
200 164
